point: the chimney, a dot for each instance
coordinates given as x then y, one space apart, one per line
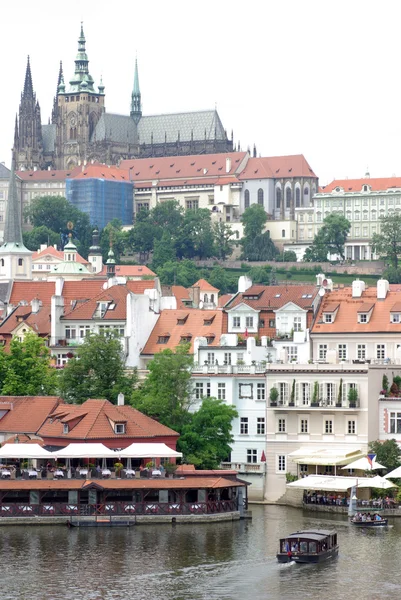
59 286
228 164
42 247
358 287
120 399
244 283
194 294
382 289
35 305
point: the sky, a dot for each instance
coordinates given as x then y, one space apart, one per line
312 77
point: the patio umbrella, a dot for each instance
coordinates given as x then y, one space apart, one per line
394 474
364 464
377 482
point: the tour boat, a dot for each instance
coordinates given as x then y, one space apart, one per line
309 546
372 523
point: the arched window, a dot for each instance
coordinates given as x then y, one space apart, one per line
297 197
211 297
283 233
205 299
288 197
246 198
278 197
20 262
2 262
306 191
260 196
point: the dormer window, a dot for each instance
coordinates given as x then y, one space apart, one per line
328 317
66 429
365 312
163 339
119 428
362 318
185 339
395 317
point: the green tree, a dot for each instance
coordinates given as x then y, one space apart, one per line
317 252
97 371
141 237
259 248
218 277
183 273
260 274
40 235
387 243
388 453
195 237
206 438
223 239
167 216
114 235
289 256
254 219
165 394
392 274
26 370
330 239
163 251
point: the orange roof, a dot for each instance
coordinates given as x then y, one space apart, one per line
39 322
180 293
51 250
224 299
194 325
272 297
28 412
205 285
95 420
99 171
183 167
54 175
130 271
377 184
44 290
277 167
24 439
346 320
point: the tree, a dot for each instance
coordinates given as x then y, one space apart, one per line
289 256
179 273
258 248
40 235
388 453
195 237
254 219
97 371
317 252
167 216
387 243
141 237
330 239
113 235
163 251
165 394
223 239
218 277
205 440
260 274
26 370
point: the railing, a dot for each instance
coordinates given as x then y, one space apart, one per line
244 467
321 403
50 509
229 369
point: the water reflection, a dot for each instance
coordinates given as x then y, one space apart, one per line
224 560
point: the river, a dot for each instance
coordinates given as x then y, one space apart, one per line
224 561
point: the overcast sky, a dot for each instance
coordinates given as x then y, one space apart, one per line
321 78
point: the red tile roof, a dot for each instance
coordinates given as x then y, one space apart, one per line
54 175
378 184
275 296
277 167
28 412
44 290
202 284
94 421
39 322
50 250
224 299
183 167
346 320
194 326
130 271
180 293
99 171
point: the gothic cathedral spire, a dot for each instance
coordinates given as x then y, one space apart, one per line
136 108
55 100
28 144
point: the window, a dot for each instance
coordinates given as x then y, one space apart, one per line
328 318
288 196
65 428
342 351
119 428
163 339
328 426
260 196
303 468
322 351
227 358
305 394
351 427
240 356
363 318
297 197
283 233
282 393
198 391
297 323
70 333
208 390
281 463
381 351
330 396
252 456
361 351
395 422
236 321
281 425
260 391
247 202
292 352
395 317
306 192
192 204
260 426
248 321
62 360
221 391
272 323
303 426
243 429
210 358
84 330
20 262
278 197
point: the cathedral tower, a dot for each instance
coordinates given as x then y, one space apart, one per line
78 110
136 108
28 145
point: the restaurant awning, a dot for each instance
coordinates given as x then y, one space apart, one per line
24 451
325 456
85 451
149 451
326 483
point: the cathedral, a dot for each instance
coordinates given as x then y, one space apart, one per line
81 130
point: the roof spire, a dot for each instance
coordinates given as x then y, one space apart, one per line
60 82
81 75
16 137
136 108
28 87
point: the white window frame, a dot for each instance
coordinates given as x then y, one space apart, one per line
363 318
297 323
351 427
244 426
328 426
361 351
281 425
303 425
119 428
260 391
210 358
328 317
260 426
198 390
249 322
342 350
251 456
395 420
381 351
322 350
221 391
281 463
395 317
236 322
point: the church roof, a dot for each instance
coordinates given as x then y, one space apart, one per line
49 133
116 128
4 172
187 124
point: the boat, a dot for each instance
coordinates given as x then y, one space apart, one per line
372 523
99 521
309 546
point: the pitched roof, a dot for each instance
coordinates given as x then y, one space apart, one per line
28 413
276 167
44 290
196 125
183 167
52 251
378 184
39 322
53 175
202 284
194 325
94 420
273 297
180 293
346 320
99 171
130 271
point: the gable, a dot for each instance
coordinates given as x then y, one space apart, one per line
242 308
290 307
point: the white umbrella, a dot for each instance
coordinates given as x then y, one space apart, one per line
150 450
85 451
24 451
377 482
394 474
364 465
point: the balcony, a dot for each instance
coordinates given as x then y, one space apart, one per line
259 468
229 369
67 342
307 404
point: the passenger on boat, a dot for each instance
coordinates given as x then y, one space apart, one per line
368 517
377 517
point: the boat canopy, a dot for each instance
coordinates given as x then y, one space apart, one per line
325 456
149 451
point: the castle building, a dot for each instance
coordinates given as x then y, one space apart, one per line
81 130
